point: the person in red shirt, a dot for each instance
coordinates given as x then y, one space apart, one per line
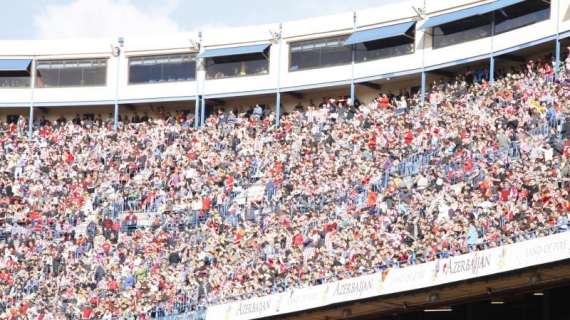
87 313
409 137
206 204
69 157
107 225
131 223
372 142
106 248
372 197
504 194
112 285
383 101
116 227
468 166
298 240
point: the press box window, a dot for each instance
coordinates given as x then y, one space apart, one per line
163 68
500 20
237 65
15 73
468 29
386 47
521 15
319 53
71 73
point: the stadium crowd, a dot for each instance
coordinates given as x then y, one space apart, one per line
161 218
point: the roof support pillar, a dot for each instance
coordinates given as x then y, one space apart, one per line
557 53
557 62
203 112
423 88
277 108
116 116
352 87
197 111
117 53
31 121
278 93
33 89
200 68
491 69
492 58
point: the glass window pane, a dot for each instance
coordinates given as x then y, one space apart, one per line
164 68
477 27
71 73
336 56
319 53
14 82
238 66
188 70
154 72
171 71
136 74
47 77
385 48
464 30
70 77
305 60
94 76
520 15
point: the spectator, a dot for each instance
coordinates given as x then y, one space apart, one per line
160 217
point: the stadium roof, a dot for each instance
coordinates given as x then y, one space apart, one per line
233 51
15 65
379 33
469 12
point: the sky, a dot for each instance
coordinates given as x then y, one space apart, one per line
57 19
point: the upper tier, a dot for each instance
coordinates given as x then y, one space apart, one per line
290 64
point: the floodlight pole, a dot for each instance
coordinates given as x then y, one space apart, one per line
353 57
32 99
117 53
423 88
203 112
197 103
492 57
557 62
423 75
203 84
278 93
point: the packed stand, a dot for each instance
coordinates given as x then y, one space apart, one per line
161 219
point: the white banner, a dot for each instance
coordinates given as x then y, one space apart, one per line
304 299
477 264
246 309
354 289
